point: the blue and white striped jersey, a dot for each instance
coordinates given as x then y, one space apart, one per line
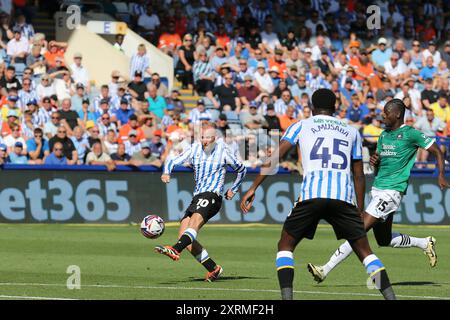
209 168
327 146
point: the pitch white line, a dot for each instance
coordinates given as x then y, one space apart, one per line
217 289
32 298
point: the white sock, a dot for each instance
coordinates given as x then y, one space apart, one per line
202 256
404 241
340 255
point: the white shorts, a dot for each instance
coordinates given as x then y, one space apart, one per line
383 203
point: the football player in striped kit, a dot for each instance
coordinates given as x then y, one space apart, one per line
209 159
332 157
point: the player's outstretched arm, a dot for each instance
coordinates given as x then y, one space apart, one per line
247 200
360 183
173 162
434 149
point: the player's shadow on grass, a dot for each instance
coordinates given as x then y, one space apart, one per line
224 278
416 283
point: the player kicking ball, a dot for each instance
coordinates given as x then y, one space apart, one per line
331 151
209 159
395 157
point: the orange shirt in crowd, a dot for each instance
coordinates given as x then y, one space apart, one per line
51 57
170 40
375 82
6 130
222 41
285 122
281 65
366 70
125 130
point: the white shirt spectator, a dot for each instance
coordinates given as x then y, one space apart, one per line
10 141
15 47
270 39
50 128
281 106
130 148
44 116
264 82
436 56
312 26
148 22
139 63
195 115
79 74
45 91
399 69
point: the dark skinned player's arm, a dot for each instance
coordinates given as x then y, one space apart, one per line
434 149
360 183
247 200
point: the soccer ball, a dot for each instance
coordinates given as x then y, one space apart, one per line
152 226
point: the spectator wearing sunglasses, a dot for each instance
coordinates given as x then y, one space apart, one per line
68 147
57 156
37 147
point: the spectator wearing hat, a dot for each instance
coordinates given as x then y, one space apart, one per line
46 88
11 106
243 72
79 73
274 74
197 113
132 144
428 71
292 75
3 153
17 49
78 97
117 80
262 79
137 87
16 156
248 92
294 60
144 157
57 157
431 52
37 147
227 96
203 73
222 124
99 158
382 54
68 147
252 119
81 143
279 63
9 79
14 137
123 113
132 125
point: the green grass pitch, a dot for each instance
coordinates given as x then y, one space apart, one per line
117 262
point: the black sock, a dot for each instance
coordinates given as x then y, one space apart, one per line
209 264
182 243
286 278
382 283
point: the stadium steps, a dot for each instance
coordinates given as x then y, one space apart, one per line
42 23
188 97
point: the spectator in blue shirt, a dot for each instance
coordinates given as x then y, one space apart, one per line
81 143
157 104
85 113
123 113
428 71
355 113
37 147
381 55
57 156
16 156
347 90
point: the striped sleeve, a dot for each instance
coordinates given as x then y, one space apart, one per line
177 161
292 133
237 166
357 147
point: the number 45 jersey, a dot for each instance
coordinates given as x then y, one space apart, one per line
327 147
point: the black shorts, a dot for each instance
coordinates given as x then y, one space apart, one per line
208 204
343 217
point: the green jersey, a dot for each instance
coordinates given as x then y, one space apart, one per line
397 150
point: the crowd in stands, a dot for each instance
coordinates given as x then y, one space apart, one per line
255 65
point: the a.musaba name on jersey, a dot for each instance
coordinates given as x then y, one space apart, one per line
330 125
